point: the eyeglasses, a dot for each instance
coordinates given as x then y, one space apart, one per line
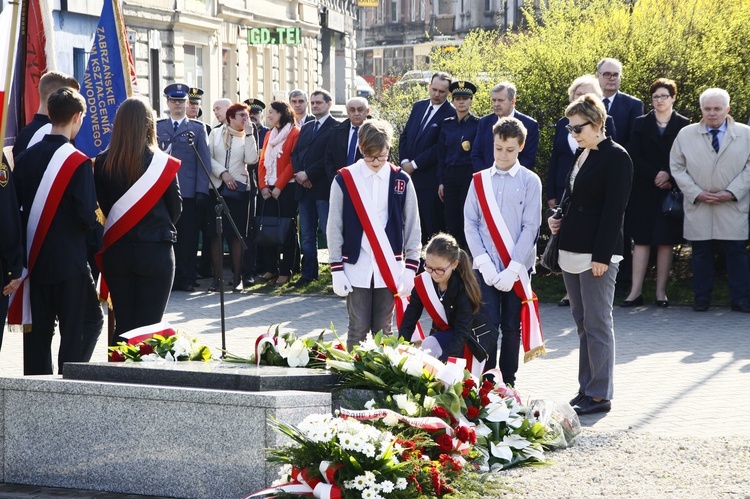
176 101
436 270
611 76
657 98
576 128
372 159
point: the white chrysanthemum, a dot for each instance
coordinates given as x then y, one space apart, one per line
369 478
368 449
401 483
371 493
359 482
387 486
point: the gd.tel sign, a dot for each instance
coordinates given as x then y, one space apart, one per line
274 36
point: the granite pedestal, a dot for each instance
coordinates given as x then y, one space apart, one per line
174 441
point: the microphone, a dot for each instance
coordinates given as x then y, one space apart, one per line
190 134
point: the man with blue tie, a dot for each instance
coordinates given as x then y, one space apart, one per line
710 161
313 186
342 147
176 135
503 104
623 108
417 150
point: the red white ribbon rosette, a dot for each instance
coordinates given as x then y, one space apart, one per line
304 484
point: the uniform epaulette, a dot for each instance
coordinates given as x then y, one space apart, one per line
449 118
163 119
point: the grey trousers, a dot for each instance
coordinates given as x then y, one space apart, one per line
591 305
370 310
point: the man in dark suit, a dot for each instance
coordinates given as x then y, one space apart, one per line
417 151
504 104
342 147
298 101
623 108
177 135
313 186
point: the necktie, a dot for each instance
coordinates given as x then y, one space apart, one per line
351 155
176 124
715 139
605 101
315 128
426 118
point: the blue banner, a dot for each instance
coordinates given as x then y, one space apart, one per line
107 81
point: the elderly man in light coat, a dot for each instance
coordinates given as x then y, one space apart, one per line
710 161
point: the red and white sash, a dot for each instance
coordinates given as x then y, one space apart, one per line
139 334
436 311
39 134
390 268
139 199
533 340
61 168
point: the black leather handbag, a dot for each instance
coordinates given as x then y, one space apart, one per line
271 230
672 206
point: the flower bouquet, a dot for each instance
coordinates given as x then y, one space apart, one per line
161 348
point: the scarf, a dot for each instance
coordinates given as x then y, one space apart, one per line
227 132
275 148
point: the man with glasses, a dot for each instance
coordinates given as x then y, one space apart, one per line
177 135
623 108
342 147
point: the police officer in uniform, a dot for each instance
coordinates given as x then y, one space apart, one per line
454 168
175 135
194 111
11 256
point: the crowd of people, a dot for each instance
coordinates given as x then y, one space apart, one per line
463 188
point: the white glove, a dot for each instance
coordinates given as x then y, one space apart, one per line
487 269
508 277
341 285
406 282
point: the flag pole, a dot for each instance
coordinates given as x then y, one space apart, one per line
9 67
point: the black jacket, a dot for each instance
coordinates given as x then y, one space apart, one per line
159 223
309 156
11 251
594 211
338 149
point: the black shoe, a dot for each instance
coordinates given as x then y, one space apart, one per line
302 282
213 287
248 281
700 306
589 406
563 303
577 399
188 288
632 303
662 303
741 307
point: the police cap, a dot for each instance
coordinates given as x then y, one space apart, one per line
256 105
177 91
195 95
462 88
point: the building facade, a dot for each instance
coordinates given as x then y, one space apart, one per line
233 49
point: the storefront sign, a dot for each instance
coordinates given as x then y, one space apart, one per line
274 36
368 3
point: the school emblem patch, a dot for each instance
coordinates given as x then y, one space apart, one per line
399 186
4 174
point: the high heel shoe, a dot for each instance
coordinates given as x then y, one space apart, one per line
236 285
662 303
637 302
267 277
214 286
282 280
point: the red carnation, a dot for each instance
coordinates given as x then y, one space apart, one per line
484 400
472 412
465 392
145 349
463 433
116 356
445 443
488 384
469 383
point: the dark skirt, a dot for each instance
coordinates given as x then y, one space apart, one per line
239 211
648 226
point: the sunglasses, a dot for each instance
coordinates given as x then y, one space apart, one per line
576 128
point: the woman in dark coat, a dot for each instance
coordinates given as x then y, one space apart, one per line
139 266
649 147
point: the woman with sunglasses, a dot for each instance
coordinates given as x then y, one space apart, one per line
456 289
650 144
564 147
590 240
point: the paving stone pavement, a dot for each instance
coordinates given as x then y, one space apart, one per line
676 372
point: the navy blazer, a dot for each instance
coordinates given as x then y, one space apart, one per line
624 110
594 212
420 144
338 149
482 155
561 160
191 176
308 155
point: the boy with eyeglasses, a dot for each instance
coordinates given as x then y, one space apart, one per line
373 226
503 213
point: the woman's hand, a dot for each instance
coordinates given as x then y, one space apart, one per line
554 224
598 269
662 180
276 192
265 193
229 181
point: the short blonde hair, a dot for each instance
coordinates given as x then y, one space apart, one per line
374 136
584 80
590 107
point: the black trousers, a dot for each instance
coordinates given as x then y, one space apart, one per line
431 219
3 313
186 247
139 276
75 305
456 182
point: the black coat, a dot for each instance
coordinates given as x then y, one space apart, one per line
338 149
11 251
624 110
594 211
309 156
159 223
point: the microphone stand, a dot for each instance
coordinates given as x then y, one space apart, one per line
221 208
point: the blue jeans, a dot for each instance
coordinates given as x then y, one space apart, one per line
738 272
503 310
313 213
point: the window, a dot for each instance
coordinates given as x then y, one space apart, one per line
394 11
487 5
79 63
193 66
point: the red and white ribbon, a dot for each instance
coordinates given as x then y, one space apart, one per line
429 423
264 339
533 339
305 484
139 334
